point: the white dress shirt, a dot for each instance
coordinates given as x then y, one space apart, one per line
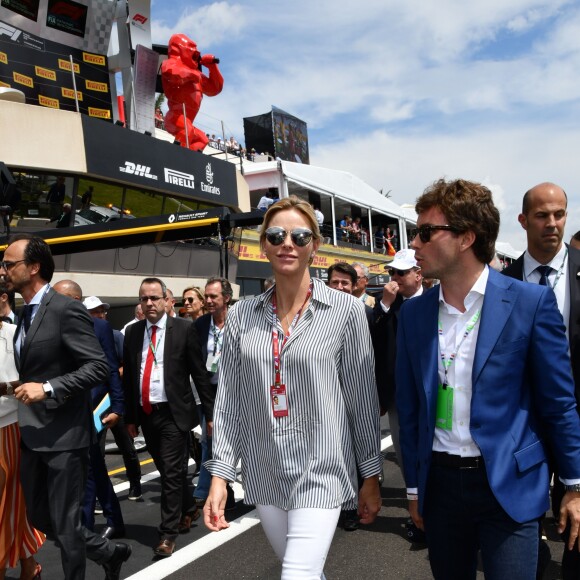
557 279
156 383
458 441
387 308
35 303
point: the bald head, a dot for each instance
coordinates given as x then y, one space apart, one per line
544 211
69 288
542 189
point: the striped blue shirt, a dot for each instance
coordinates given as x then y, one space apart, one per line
309 458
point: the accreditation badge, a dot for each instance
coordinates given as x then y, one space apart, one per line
279 400
444 413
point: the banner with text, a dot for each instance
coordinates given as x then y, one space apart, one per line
41 69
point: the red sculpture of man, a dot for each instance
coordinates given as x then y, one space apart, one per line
184 83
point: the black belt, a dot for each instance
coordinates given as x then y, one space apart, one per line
456 461
158 406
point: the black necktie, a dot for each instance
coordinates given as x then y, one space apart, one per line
27 317
544 273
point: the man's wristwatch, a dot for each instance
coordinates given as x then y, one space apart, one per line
575 487
47 390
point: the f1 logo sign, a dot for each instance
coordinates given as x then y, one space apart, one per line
140 18
10 31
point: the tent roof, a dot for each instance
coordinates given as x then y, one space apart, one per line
340 184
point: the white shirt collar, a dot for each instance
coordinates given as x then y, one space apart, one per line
37 298
161 323
530 263
477 290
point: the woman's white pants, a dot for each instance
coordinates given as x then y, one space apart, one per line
301 538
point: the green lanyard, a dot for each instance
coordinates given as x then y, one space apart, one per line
448 362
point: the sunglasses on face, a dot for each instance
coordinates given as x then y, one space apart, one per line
393 271
424 232
300 236
189 299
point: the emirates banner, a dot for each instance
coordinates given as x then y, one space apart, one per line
41 69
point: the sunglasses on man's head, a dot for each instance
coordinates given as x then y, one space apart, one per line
424 232
300 236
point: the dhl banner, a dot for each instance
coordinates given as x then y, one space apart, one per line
41 69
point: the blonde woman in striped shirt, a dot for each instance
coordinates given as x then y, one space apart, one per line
19 541
296 402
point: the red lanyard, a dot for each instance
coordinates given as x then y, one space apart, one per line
277 349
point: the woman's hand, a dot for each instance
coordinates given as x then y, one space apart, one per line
369 500
214 508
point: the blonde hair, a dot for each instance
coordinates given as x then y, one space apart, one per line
287 203
198 293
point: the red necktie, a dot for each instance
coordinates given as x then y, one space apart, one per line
147 372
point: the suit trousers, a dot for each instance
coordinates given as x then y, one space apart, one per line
167 445
54 486
99 486
127 448
461 515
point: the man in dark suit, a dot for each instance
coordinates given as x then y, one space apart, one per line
59 360
405 283
210 329
548 261
98 481
483 386
161 353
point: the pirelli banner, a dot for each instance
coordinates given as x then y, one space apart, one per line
41 69
135 159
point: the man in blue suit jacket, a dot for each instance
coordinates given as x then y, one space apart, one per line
484 384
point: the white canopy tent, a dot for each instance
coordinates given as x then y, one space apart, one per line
326 182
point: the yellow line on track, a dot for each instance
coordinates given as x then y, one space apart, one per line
121 469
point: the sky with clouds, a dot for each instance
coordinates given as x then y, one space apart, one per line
402 93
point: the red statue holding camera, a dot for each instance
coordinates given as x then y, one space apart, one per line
184 83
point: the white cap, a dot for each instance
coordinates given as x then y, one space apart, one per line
403 260
92 302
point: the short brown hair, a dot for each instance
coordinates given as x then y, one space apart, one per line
467 206
286 203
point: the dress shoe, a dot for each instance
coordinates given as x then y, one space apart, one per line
350 523
135 492
113 566
415 535
185 524
113 532
164 549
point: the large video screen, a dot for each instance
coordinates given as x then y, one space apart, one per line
290 137
26 8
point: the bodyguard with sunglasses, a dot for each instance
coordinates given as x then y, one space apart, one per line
296 402
484 386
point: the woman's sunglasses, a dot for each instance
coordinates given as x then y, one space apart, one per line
189 299
300 236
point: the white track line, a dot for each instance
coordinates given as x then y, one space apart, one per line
184 556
